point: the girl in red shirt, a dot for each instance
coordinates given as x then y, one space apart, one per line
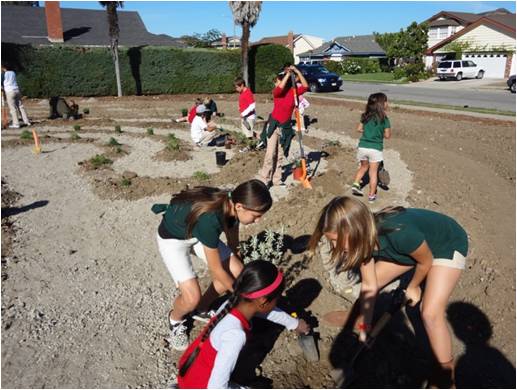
210 359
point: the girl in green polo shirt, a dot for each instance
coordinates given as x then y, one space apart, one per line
389 243
193 222
374 126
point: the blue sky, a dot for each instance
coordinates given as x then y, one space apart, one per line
326 19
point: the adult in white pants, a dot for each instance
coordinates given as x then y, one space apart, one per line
13 97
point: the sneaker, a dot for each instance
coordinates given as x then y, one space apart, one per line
179 338
356 189
372 198
14 127
203 316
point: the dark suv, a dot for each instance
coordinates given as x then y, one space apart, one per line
320 78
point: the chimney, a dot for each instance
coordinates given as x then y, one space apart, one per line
290 41
224 41
54 23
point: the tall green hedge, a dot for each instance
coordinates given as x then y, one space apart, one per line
76 71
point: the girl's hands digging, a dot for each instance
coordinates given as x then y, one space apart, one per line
303 327
413 295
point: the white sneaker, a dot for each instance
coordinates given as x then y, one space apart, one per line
14 126
179 337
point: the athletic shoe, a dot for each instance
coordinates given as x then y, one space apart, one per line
372 198
356 189
203 316
14 127
179 338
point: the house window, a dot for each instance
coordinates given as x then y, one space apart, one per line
443 32
433 33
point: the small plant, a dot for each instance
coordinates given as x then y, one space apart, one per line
184 112
173 143
113 142
118 129
201 176
74 136
125 182
86 111
150 131
100 160
119 150
77 127
268 246
26 135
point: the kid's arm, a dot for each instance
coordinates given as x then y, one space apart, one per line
360 127
424 261
387 133
228 351
216 269
300 76
367 297
233 240
284 81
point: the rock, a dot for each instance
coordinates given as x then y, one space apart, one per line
129 175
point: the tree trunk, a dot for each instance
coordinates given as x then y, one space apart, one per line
244 50
114 53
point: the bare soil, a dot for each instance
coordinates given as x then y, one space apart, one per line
85 293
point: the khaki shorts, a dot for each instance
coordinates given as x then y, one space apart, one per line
370 155
457 261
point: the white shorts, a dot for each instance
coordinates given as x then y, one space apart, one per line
370 155
457 261
176 255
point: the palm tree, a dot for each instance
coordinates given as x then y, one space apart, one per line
111 9
246 14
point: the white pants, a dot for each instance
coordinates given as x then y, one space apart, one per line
250 120
176 255
14 101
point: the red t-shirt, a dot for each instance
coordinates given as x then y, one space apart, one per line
283 103
246 99
192 114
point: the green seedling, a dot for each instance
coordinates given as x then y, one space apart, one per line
26 135
173 143
119 150
118 129
113 142
125 182
86 110
100 160
77 127
201 176
184 112
74 136
150 131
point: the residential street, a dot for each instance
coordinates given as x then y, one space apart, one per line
465 92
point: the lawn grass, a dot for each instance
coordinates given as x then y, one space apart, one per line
380 77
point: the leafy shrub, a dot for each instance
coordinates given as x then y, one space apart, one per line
150 131
173 143
125 182
119 150
351 67
264 64
399 73
361 65
113 142
100 160
86 111
267 246
415 72
77 127
118 129
26 135
184 111
201 176
334 66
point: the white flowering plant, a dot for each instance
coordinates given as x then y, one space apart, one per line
268 245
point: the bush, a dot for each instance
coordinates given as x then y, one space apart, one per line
113 142
80 71
77 127
361 65
26 135
118 129
150 131
100 160
201 176
86 111
173 143
125 182
399 73
334 66
415 72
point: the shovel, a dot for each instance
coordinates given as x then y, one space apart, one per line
344 377
303 178
308 344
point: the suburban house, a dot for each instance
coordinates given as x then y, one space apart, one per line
340 48
297 43
487 39
44 26
231 42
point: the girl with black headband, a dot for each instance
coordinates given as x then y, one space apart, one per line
193 221
210 359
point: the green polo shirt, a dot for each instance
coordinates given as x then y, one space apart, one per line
402 233
373 133
207 229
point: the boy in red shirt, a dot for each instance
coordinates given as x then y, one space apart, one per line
191 114
279 131
246 107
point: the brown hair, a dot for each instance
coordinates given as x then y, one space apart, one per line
375 108
239 81
352 220
253 195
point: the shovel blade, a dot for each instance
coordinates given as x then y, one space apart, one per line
308 345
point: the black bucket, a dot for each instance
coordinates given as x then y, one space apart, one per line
220 158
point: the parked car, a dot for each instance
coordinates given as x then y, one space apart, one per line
511 83
456 69
320 78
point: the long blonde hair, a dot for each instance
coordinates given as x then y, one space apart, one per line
351 219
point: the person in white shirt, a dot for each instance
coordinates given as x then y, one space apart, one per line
201 131
13 97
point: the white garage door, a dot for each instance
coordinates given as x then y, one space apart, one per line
492 63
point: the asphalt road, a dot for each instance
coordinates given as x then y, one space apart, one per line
450 94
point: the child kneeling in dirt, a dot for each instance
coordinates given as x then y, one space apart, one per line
194 220
202 130
386 245
191 114
375 126
210 359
